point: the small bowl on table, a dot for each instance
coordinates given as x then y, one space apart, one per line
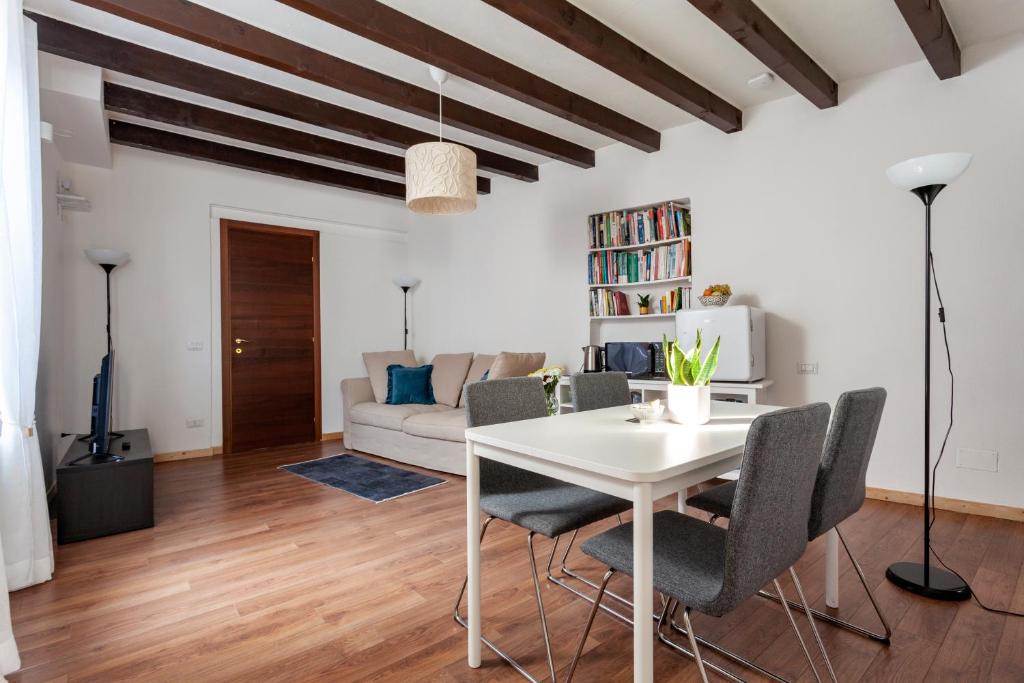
645 413
716 300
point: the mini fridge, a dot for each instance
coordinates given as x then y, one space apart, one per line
741 357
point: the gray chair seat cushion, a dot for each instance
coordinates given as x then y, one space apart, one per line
388 416
689 558
448 425
716 500
551 507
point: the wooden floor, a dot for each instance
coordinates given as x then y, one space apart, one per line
254 574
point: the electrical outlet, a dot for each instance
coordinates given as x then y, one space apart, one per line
193 422
194 346
974 459
807 368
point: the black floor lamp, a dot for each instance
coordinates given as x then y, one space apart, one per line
108 259
405 283
926 177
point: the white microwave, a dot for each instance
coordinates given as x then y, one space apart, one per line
741 357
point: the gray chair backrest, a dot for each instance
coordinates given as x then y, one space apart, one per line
594 390
495 401
768 524
839 489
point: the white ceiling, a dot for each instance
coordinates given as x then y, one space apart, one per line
848 38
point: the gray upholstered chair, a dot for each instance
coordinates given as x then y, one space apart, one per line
594 390
539 504
838 491
709 569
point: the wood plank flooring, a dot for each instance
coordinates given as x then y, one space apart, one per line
254 574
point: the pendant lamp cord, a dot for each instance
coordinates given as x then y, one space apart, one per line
440 105
945 440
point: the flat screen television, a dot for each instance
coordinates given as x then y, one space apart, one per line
100 436
100 423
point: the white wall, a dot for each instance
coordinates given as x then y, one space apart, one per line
161 210
796 213
50 381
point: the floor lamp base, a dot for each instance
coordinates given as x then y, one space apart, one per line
942 585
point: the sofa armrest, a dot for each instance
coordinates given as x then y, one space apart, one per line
354 391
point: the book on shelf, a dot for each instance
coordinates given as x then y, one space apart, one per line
607 302
675 300
645 265
639 226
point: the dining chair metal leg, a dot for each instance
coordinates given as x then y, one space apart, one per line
693 644
461 621
718 649
590 623
667 617
796 629
814 627
884 638
540 605
567 571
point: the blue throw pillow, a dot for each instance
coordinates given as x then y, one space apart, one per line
410 385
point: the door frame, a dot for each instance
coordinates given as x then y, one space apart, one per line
227 344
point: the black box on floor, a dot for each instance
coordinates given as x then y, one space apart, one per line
99 498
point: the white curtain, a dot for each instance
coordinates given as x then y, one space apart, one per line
26 551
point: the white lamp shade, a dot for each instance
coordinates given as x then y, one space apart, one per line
107 257
934 169
405 281
440 178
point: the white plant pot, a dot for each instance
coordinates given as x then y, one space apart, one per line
689 405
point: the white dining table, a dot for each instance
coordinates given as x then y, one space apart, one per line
604 451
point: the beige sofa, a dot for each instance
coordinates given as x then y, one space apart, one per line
431 436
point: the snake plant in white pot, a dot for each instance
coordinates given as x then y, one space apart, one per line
689 394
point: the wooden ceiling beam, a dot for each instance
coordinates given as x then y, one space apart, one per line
142 137
751 28
931 28
398 31
567 24
204 26
125 100
83 45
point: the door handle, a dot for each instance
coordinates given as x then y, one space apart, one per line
241 341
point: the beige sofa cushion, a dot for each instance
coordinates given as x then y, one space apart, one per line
481 364
447 425
508 364
377 368
448 376
388 416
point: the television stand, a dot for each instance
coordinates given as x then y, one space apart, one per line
110 437
99 496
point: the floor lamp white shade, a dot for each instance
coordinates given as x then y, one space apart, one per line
440 178
933 169
405 281
108 257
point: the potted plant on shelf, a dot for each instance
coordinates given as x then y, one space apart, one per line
550 377
645 303
689 394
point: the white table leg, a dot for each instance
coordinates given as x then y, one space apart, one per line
643 583
473 552
832 568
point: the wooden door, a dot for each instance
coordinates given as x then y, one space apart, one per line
270 335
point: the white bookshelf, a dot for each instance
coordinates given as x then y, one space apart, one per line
655 288
648 283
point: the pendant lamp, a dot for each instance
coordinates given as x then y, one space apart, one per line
440 177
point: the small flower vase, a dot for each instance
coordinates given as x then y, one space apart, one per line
552 401
689 405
